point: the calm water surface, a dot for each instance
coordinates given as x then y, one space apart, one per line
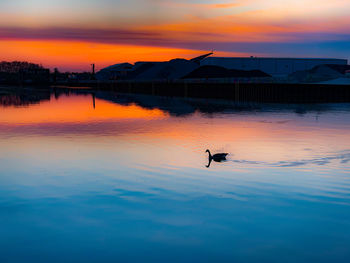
122 178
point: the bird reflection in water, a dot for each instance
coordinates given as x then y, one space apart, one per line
218 157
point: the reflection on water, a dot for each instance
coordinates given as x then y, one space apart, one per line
103 177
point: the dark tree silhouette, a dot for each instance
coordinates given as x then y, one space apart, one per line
18 66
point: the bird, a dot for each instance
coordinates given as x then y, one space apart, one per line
218 157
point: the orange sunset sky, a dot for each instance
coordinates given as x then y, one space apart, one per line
71 35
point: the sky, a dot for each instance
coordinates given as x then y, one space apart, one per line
72 34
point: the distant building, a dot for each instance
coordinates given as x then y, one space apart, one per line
151 71
114 72
169 70
272 66
217 72
227 69
320 73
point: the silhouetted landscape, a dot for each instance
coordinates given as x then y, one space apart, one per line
174 131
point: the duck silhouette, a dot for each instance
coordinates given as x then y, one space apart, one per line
218 157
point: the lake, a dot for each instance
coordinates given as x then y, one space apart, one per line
93 176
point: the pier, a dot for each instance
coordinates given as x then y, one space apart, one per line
256 92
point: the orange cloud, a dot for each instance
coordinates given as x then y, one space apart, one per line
250 26
225 5
201 5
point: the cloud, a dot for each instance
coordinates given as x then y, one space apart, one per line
197 21
204 6
269 41
71 34
121 36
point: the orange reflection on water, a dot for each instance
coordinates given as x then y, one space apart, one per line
75 109
247 136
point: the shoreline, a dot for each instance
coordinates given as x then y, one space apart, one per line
240 92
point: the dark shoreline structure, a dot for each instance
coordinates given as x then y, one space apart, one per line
240 92
238 79
276 80
217 72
